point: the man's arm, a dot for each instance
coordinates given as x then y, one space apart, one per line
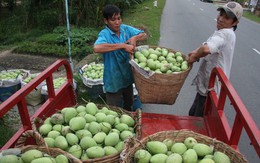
103 48
140 37
200 52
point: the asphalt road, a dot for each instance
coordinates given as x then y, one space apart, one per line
185 24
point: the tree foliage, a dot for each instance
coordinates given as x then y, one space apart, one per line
48 14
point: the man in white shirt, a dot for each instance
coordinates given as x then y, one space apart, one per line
217 51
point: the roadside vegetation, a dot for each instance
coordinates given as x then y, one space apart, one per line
38 31
251 16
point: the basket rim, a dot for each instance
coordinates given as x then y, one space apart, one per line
133 144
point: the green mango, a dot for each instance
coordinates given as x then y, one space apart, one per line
190 142
30 155
69 113
168 143
220 157
179 148
45 129
100 117
109 150
61 159
120 146
72 139
127 120
77 123
95 152
174 158
190 156
87 142
82 133
61 142
57 118
49 142
121 127
94 127
156 147
44 160
158 158
105 127
202 149
126 134
76 151
9 159
99 137
142 156
112 139
206 160
90 118
53 134
91 108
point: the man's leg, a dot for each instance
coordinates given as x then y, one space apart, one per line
128 97
114 99
197 108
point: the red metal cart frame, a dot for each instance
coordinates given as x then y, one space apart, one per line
213 124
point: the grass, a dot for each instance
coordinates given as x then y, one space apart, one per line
251 16
147 16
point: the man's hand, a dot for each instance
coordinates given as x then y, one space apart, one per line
200 52
129 48
131 41
140 37
192 57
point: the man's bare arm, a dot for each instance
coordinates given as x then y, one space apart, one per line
103 48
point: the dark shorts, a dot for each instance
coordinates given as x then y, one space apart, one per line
123 98
197 108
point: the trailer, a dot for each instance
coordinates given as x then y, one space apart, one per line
214 123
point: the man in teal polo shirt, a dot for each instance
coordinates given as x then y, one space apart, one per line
117 43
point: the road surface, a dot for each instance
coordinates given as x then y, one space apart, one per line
185 24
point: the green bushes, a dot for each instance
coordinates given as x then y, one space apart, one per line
56 43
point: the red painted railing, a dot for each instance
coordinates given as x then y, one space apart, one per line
216 120
64 96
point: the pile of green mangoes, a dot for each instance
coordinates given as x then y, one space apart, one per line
94 71
33 156
58 82
29 78
5 75
160 60
88 132
189 151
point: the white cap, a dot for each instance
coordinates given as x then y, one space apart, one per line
233 9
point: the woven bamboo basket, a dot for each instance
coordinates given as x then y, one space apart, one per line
160 88
114 158
133 145
41 146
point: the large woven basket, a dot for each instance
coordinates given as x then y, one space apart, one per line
133 145
114 158
41 146
160 88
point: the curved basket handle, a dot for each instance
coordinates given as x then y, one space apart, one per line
33 134
36 121
130 143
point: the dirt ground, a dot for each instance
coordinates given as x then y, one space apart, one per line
34 63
